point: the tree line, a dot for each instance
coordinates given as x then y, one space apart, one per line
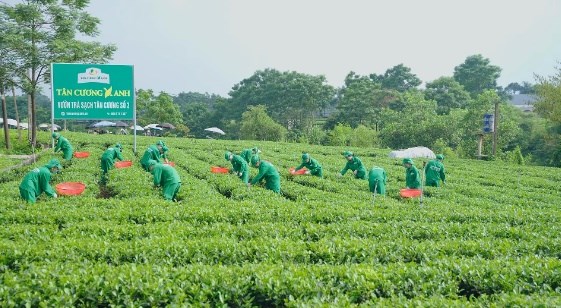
386 110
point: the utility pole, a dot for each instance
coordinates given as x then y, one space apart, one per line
495 128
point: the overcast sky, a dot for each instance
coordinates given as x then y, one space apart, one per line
210 45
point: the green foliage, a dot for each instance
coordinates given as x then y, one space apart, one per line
257 125
363 136
417 125
447 93
199 111
472 123
38 33
198 117
524 88
477 75
486 238
549 93
157 109
316 135
340 135
516 156
397 78
362 101
291 98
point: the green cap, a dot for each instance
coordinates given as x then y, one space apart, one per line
54 163
161 142
440 157
118 145
152 162
256 150
407 161
55 135
165 148
254 160
347 153
227 155
305 156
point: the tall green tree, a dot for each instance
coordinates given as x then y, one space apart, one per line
477 74
197 117
184 99
291 98
447 93
524 88
398 78
158 109
472 124
548 90
257 125
198 111
7 76
361 102
417 124
548 106
45 31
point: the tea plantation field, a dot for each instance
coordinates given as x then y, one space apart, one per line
490 237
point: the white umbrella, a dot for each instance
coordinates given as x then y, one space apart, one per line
11 122
413 153
215 130
138 127
152 126
46 125
103 124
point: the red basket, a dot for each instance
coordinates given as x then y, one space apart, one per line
70 188
170 163
215 169
81 154
123 164
299 172
410 193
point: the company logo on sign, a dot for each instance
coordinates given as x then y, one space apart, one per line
93 74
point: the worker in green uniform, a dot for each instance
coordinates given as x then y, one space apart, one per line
377 180
167 177
248 153
268 172
155 152
165 150
37 181
355 164
412 178
239 166
314 168
434 171
108 160
62 144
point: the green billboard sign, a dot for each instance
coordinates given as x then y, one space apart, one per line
92 91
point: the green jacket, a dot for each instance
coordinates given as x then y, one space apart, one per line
63 145
268 172
151 153
239 164
37 181
434 172
165 175
412 178
355 164
312 165
246 155
377 180
108 158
